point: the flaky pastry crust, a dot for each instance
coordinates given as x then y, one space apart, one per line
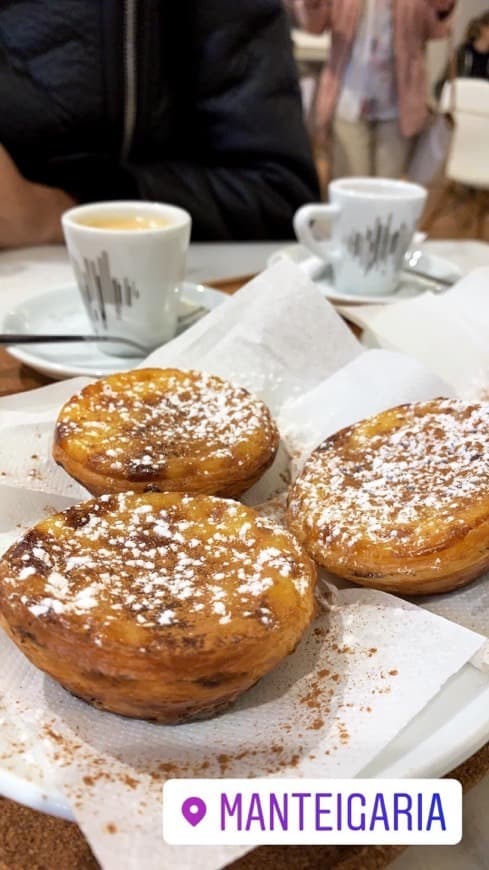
400 501
161 606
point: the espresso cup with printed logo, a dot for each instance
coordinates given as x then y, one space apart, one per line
129 263
370 224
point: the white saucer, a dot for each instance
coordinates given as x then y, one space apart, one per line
409 285
62 311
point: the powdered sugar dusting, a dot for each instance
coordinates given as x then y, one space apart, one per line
136 423
397 487
157 560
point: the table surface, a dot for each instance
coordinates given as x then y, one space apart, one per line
30 840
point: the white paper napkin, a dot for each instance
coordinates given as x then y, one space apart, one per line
446 332
326 712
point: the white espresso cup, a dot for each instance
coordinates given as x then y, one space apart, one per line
129 263
371 223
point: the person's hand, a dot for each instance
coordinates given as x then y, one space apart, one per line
29 213
443 6
314 16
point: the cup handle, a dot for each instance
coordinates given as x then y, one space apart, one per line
327 249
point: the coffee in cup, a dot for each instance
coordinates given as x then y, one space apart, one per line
125 222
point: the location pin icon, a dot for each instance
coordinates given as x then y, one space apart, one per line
193 810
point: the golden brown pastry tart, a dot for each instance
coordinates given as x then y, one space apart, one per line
160 605
165 429
400 501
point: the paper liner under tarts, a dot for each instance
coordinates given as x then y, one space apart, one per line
157 606
400 501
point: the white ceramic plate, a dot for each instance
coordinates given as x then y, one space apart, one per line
62 311
453 726
449 729
409 285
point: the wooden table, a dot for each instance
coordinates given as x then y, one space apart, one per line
15 378
32 841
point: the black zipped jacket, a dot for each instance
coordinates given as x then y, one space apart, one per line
193 102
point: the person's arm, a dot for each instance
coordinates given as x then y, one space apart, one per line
312 15
30 214
241 161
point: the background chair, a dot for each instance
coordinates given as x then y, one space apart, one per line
463 198
467 100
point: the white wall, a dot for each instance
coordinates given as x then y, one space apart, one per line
466 10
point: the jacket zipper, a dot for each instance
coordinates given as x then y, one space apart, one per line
130 83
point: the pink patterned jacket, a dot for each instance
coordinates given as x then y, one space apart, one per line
415 22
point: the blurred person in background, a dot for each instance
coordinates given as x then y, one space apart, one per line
194 103
372 93
472 56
